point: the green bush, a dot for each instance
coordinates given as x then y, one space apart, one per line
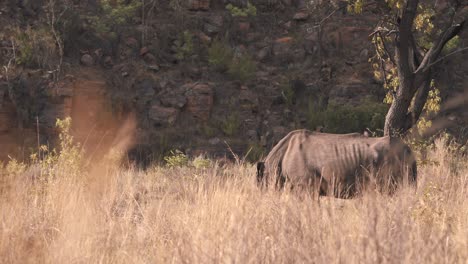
67 161
242 68
14 167
176 159
36 47
201 163
451 45
115 13
184 45
287 92
230 126
220 55
208 130
346 119
235 11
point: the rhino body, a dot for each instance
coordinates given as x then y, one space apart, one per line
337 164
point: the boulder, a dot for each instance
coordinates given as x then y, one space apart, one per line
145 86
87 60
143 51
243 26
301 15
161 115
248 99
283 50
203 37
263 53
214 24
131 42
149 58
196 5
199 100
174 100
108 62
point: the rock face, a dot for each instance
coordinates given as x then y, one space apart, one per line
161 115
188 102
301 15
214 24
7 112
200 99
199 4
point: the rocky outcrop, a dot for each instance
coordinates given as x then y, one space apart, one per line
199 5
161 115
162 70
87 60
200 99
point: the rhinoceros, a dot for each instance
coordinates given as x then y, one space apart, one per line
337 164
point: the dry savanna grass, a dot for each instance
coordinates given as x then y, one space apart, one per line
216 214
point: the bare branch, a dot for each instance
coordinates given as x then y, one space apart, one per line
439 44
448 55
380 30
387 52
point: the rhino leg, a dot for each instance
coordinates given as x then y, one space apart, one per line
280 178
260 173
414 174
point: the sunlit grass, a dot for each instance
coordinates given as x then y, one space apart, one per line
216 214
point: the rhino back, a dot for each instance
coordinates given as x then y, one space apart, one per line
310 155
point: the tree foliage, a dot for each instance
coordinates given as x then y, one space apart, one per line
410 39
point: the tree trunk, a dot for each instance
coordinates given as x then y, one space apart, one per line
414 76
396 121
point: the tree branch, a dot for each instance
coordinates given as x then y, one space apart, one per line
438 45
448 55
420 97
404 40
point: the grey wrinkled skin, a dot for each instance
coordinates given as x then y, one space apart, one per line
337 165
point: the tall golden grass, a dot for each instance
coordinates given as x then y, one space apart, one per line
218 215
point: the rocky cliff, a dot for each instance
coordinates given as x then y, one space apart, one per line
197 75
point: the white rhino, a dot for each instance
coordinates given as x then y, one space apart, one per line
337 164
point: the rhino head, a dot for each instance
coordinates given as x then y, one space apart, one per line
393 162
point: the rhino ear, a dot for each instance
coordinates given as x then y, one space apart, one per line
367 132
379 150
375 157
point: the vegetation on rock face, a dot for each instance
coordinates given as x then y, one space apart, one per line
231 124
184 45
220 55
35 48
249 10
114 15
339 118
108 32
242 68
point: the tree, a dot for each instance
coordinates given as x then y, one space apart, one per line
418 33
